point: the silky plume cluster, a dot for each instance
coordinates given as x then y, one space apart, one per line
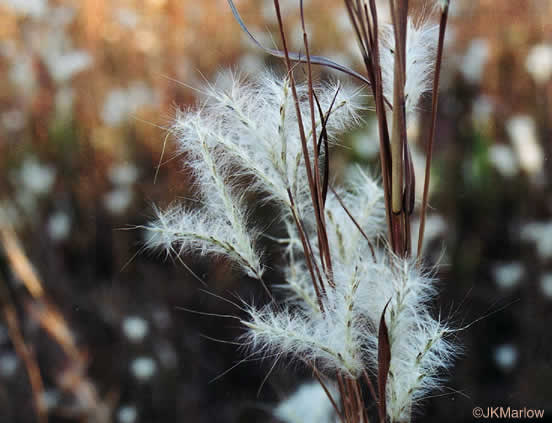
241 142
242 129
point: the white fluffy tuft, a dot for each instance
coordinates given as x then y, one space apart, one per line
420 350
421 44
244 140
245 131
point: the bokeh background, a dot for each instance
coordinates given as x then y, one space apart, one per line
92 326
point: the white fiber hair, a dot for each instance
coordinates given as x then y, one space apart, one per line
254 126
344 336
420 58
180 230
243 130
419 346
243 140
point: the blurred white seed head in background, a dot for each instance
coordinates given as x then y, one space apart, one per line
506 357
58 226
546 285
143 368
8 365
66 65
36 178
473 63
135 328
123 174
308 404
118 200
32 8
508 275
541 234
539 63
522 130
504 160
127 414
121 104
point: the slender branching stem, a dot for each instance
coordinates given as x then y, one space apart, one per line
318 203
306 156
307 248
363 233
340 323
434 104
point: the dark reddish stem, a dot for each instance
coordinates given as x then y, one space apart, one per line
429 145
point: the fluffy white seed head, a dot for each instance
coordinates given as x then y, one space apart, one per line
344 336
244 139
253 124
363 201
178 230
421 44
418 359
420 349
306 338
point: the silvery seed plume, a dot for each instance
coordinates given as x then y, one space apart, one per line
253 125
420 59
420 346
362 200
343 338
247 131
244 129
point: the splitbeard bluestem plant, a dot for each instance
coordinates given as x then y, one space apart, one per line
353 303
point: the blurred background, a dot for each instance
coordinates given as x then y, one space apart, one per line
91 329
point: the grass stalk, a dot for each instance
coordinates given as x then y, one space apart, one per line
429 145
